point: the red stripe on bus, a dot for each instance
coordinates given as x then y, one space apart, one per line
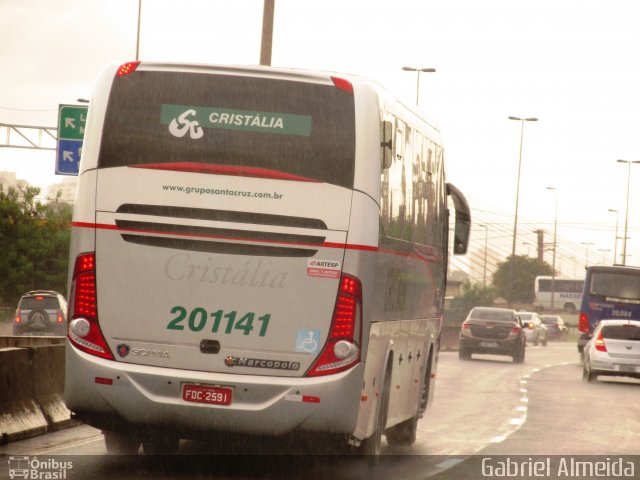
422 256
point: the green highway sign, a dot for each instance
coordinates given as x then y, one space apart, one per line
72 120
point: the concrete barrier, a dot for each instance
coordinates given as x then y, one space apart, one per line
27 341
31 388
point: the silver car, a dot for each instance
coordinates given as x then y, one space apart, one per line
41 312
614 349
534 329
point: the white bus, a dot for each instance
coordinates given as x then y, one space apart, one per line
255 250
567 293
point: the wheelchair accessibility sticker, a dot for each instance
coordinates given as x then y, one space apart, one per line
308 341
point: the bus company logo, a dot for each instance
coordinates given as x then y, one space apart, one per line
123 350
36 469
180 126
232 361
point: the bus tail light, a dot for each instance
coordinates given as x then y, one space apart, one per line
342 349
583 323
342 84
127 68
599 343
84 330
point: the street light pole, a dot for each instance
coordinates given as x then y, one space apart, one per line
267 32
615 238
484 274
604 254
418 70
626 214
515 220
587 244
138 31
555 246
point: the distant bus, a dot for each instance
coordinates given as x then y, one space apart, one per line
256 250
566 292
609 292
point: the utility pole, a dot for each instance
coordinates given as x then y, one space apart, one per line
540 244
267 32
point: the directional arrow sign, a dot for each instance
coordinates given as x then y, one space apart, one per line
71 124
68 157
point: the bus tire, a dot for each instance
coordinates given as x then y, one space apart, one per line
120 443
371 447
403 434
160 445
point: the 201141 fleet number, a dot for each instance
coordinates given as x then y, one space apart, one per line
226 322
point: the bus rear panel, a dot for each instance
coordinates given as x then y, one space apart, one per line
227 267
610 292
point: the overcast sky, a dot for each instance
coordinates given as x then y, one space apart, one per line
574 64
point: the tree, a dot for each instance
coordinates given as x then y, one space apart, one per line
34 241
525 270
475 295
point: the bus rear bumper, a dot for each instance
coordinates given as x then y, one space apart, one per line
121 396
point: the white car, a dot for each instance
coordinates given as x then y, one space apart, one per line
534 329
614 349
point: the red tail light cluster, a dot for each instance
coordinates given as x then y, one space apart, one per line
583 323
127 68
84 330
343 84
342 349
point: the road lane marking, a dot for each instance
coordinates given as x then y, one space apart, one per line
451 462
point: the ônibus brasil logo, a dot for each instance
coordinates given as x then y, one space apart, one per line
37 469
182 125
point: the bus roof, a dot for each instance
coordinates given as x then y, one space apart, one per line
613 268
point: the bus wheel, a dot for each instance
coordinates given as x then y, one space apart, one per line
403 434
371 447
160 445
121 443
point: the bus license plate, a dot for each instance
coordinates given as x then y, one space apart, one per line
210 394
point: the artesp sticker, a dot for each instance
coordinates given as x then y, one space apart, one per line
323 268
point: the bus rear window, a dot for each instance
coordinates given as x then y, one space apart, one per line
303 129
615 285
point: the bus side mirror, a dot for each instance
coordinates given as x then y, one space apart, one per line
386 134
463 220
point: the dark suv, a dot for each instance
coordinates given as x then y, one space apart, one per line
41 312
494 331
